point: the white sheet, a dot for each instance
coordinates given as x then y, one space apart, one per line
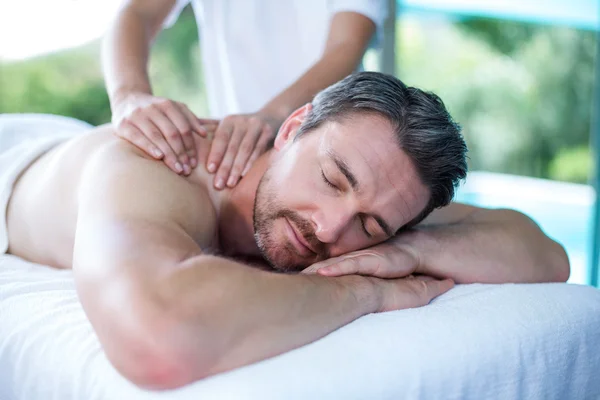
475 342
24 138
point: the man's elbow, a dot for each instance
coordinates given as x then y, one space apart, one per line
559 261
148 344
550 256
164 361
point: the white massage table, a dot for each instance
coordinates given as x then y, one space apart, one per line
475 342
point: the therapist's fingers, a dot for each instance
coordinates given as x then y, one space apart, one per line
219 144
246 147
169 130
153 133
197 126
133 135
260 147
225 166
188 140
209 121
180 135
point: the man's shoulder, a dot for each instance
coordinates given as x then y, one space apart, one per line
139 187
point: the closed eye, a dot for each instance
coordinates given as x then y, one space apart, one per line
364 227
327 181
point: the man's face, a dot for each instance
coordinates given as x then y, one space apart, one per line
342 187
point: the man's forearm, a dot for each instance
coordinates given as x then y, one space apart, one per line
125 51
236 315
489 246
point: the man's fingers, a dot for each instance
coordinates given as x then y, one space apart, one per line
132 134
227 162
219 145
153 133
346 266
433 287
363 263
243 154
314 268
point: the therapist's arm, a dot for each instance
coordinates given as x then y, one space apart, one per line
347 40
159 126
465 243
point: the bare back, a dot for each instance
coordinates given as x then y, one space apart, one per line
44 207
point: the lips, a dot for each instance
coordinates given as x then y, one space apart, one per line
299 240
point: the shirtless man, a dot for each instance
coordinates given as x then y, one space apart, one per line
153 252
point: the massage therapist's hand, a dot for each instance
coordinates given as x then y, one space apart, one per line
238 141
385 260
161 127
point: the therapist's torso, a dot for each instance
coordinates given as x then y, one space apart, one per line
254 49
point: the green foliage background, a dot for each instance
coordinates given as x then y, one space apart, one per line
522 92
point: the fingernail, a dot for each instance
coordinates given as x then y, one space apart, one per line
231 181
157 153
186 169
178 167
194 162
212 167
220 183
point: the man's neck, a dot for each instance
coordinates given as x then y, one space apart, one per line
235 208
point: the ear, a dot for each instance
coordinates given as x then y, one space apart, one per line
290 126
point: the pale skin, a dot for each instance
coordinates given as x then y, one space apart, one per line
168 310
163 128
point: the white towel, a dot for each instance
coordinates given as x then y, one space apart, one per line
534 342
24 138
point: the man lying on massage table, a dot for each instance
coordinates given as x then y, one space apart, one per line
161 261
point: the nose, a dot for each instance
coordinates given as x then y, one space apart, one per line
331 221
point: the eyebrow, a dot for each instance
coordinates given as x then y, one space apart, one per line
345 170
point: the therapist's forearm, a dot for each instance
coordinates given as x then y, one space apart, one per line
335 64
125 51
489 246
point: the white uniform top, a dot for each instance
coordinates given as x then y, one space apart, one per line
254 49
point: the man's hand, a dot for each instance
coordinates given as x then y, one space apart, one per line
408 292
385 260
239 140
161 127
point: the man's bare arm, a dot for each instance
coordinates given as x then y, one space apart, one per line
167 314
468 244
472 244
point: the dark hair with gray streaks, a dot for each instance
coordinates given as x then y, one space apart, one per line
424 128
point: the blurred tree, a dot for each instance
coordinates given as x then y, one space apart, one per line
522 92
558 106
70 82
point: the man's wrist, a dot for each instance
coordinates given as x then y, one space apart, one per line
408 243
362 290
